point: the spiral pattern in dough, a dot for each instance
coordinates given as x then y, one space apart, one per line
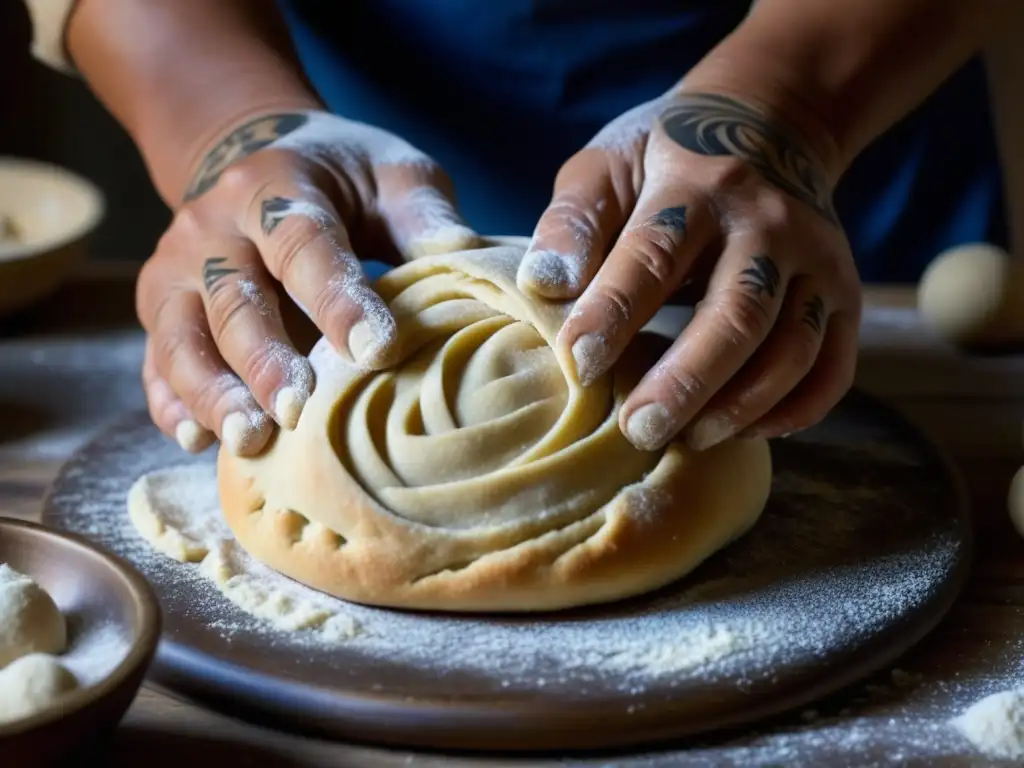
477 473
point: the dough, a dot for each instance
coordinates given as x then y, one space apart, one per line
971 295
32 684
30 621
477 474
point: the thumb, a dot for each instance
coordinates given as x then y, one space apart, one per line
417 204
594 192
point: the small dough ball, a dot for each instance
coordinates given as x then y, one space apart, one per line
30 621
971 295
31 685
1015 502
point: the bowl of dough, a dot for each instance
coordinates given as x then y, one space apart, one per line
78 629
47 214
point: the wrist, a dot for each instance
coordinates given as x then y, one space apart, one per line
781 99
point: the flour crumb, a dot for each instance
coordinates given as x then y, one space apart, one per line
995 725
176 510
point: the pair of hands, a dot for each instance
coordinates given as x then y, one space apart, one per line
690 189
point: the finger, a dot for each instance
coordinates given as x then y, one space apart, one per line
243 312
185 356
417 203
659 244
594 191
778 366
818 392
743 301
306 247
168 413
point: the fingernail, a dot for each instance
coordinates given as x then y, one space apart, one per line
709 431
648 428
241 432
550 274
591 353
363 344
288 405
191 437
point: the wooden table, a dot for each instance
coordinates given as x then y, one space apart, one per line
72 364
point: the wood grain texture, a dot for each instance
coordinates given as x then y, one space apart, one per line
974 652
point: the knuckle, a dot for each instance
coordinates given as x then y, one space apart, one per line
329 301
185 224
241 178
683 384
742 315
262 366
227 308
619 304
804 350
170 346
298 235
654 253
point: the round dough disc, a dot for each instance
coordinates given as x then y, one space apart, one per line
30 621
477 474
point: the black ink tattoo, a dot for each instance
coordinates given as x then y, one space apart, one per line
814 314
762 276
718 126
241 142
273 212
673 219
213 272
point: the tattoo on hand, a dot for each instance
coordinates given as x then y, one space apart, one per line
272 212
814 314
718 126
762 276
213 272
672 219
241 142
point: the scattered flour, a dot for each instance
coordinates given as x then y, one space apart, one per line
995 725
780 598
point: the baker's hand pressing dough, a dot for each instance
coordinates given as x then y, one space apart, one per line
30 621
32 684
477 474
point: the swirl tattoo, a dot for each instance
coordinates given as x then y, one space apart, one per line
718 126
242 142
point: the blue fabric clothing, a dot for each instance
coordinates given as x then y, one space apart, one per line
502 92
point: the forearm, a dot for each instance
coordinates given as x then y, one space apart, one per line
178 73
844 71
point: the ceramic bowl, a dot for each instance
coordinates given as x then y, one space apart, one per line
46 216
113 622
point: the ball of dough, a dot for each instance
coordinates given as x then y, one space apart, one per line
1015 501
971 295
477 474
30 621
32 684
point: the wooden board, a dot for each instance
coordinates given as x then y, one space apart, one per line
862 549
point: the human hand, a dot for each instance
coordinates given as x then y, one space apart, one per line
282 203
699 185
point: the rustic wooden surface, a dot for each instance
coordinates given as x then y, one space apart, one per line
974 652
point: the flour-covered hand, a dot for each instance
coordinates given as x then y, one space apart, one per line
276 212
691 185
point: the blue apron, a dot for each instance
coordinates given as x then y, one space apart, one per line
502 92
